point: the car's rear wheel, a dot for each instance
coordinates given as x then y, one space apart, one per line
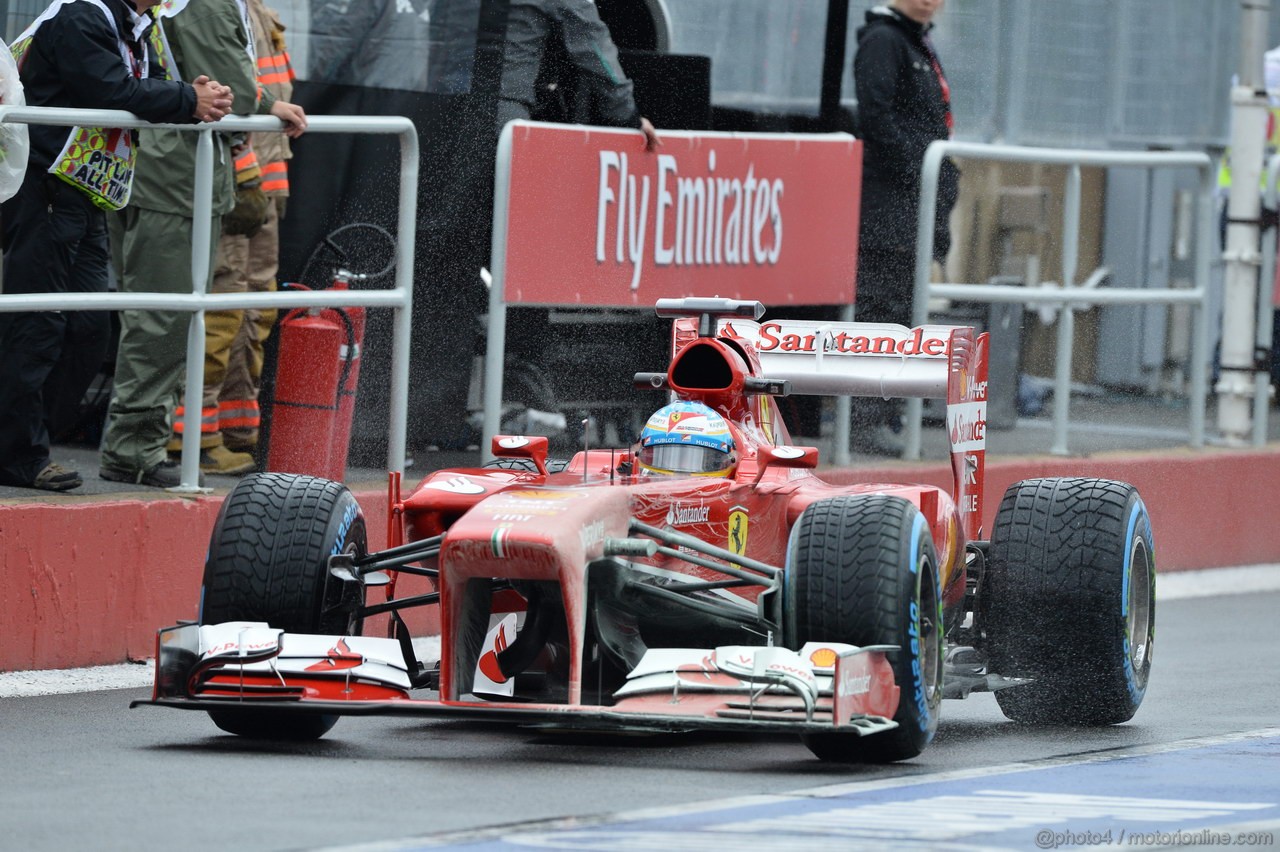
268 561
862 569
1069 601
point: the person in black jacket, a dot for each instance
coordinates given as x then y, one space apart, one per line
904 103
88 54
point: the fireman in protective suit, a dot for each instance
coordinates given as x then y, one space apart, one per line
152 239
248 257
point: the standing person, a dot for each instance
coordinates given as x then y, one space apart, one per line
151 240
363 42
248 257
904 103
545 35
545 39
79 54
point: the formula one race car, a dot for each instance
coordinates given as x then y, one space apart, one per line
703 578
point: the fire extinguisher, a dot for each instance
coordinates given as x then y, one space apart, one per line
316 378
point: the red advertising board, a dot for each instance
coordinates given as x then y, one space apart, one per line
585 216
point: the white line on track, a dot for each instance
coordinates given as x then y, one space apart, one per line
827 791
60 681
1176 585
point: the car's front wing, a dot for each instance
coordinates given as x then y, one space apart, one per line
824 688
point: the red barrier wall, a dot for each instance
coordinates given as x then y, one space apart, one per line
87 581
1209 508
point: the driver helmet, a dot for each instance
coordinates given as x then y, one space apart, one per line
686 438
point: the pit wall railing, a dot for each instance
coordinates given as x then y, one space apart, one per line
1068 295
197 302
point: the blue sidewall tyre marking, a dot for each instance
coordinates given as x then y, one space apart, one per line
1136 690
920 698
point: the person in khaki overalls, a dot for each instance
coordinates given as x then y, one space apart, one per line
248 257
152 239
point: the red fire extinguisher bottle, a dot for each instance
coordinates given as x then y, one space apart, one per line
316 378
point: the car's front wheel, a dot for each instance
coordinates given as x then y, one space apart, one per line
268 561
862 569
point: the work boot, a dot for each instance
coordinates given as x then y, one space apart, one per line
239 445
223 461
55 477
166 474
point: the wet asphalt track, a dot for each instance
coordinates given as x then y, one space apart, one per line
85 772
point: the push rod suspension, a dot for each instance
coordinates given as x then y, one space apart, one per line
705 562
677 539
400 603
718 610
408 552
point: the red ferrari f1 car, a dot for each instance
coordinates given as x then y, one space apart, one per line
703 578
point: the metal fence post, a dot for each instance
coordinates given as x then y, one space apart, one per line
842 423
1066 314
402 334
201 243
920 291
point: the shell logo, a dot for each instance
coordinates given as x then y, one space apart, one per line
823 658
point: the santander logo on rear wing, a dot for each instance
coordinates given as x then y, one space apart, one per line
886 360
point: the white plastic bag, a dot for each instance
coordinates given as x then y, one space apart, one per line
14 144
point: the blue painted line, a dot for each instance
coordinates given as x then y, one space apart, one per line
1220 794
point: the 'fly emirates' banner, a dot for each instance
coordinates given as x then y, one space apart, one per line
587 216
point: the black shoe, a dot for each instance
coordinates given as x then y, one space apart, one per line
166 474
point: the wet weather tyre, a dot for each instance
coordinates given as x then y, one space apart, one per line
862 569
268 561
1069 601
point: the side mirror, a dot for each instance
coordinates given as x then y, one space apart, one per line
786 456
522 447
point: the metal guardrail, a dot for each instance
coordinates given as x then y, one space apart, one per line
1069 296
400 297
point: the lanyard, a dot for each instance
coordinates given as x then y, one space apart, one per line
942 82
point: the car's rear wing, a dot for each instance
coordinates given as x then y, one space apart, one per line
854 358
885 360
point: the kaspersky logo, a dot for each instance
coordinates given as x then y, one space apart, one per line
340 657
